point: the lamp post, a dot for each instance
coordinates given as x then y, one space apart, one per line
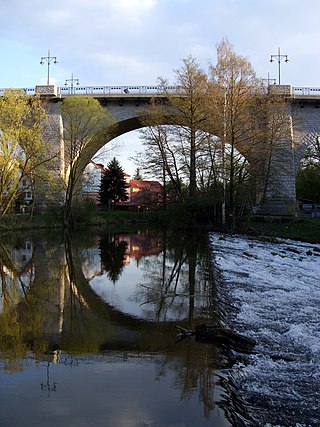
279 58
269 81
72 81
48 59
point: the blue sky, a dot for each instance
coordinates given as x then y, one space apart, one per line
133 42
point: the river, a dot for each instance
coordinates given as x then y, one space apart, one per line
88 330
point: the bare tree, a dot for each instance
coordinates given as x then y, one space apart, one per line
161 158
190 107
236 89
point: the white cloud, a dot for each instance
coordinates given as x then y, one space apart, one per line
148 38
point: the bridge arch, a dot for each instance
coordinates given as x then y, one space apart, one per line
137 118
130 112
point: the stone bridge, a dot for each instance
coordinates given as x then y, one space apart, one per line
129 104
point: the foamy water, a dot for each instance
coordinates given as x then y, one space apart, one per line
273 295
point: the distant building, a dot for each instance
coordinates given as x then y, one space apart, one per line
25 195
25 192
309 208
142 195
91 180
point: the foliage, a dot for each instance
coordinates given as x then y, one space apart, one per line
86 211
193 114
213 128
22 151
112 257
307 229
235 87
137 176
312 153
113 186
161 157
308 183
308 176
84 122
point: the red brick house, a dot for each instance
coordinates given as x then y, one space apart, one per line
143 195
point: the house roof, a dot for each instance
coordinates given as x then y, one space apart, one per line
97 165
101 167
153 186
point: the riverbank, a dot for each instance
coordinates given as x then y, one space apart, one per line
303 229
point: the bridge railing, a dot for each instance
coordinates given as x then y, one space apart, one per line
105 90
141 90
115 90
306 91
28 91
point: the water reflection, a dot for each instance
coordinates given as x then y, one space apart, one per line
110 294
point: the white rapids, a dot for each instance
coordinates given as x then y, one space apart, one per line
272 294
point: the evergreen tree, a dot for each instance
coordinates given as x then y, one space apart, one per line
137 176
113 186
112 256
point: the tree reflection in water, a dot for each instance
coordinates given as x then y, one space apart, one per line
47 302
113 253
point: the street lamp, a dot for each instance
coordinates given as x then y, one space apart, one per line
48 59
269 81
279 57
72 81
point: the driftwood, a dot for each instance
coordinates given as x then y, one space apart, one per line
218 335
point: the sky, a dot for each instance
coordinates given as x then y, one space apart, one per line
133 42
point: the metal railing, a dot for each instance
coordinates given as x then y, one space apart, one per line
306 91
106 90
28 91
141 90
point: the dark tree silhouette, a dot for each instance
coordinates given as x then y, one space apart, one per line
113 186
112 257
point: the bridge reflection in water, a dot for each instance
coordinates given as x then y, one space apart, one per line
113 294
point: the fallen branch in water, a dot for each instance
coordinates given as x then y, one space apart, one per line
218 335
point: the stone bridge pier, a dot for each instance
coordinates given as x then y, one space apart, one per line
303 129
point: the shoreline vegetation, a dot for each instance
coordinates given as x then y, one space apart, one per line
270 227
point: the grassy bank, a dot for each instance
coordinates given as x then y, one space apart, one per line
46 221
306 229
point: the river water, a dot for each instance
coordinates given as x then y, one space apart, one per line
88 330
